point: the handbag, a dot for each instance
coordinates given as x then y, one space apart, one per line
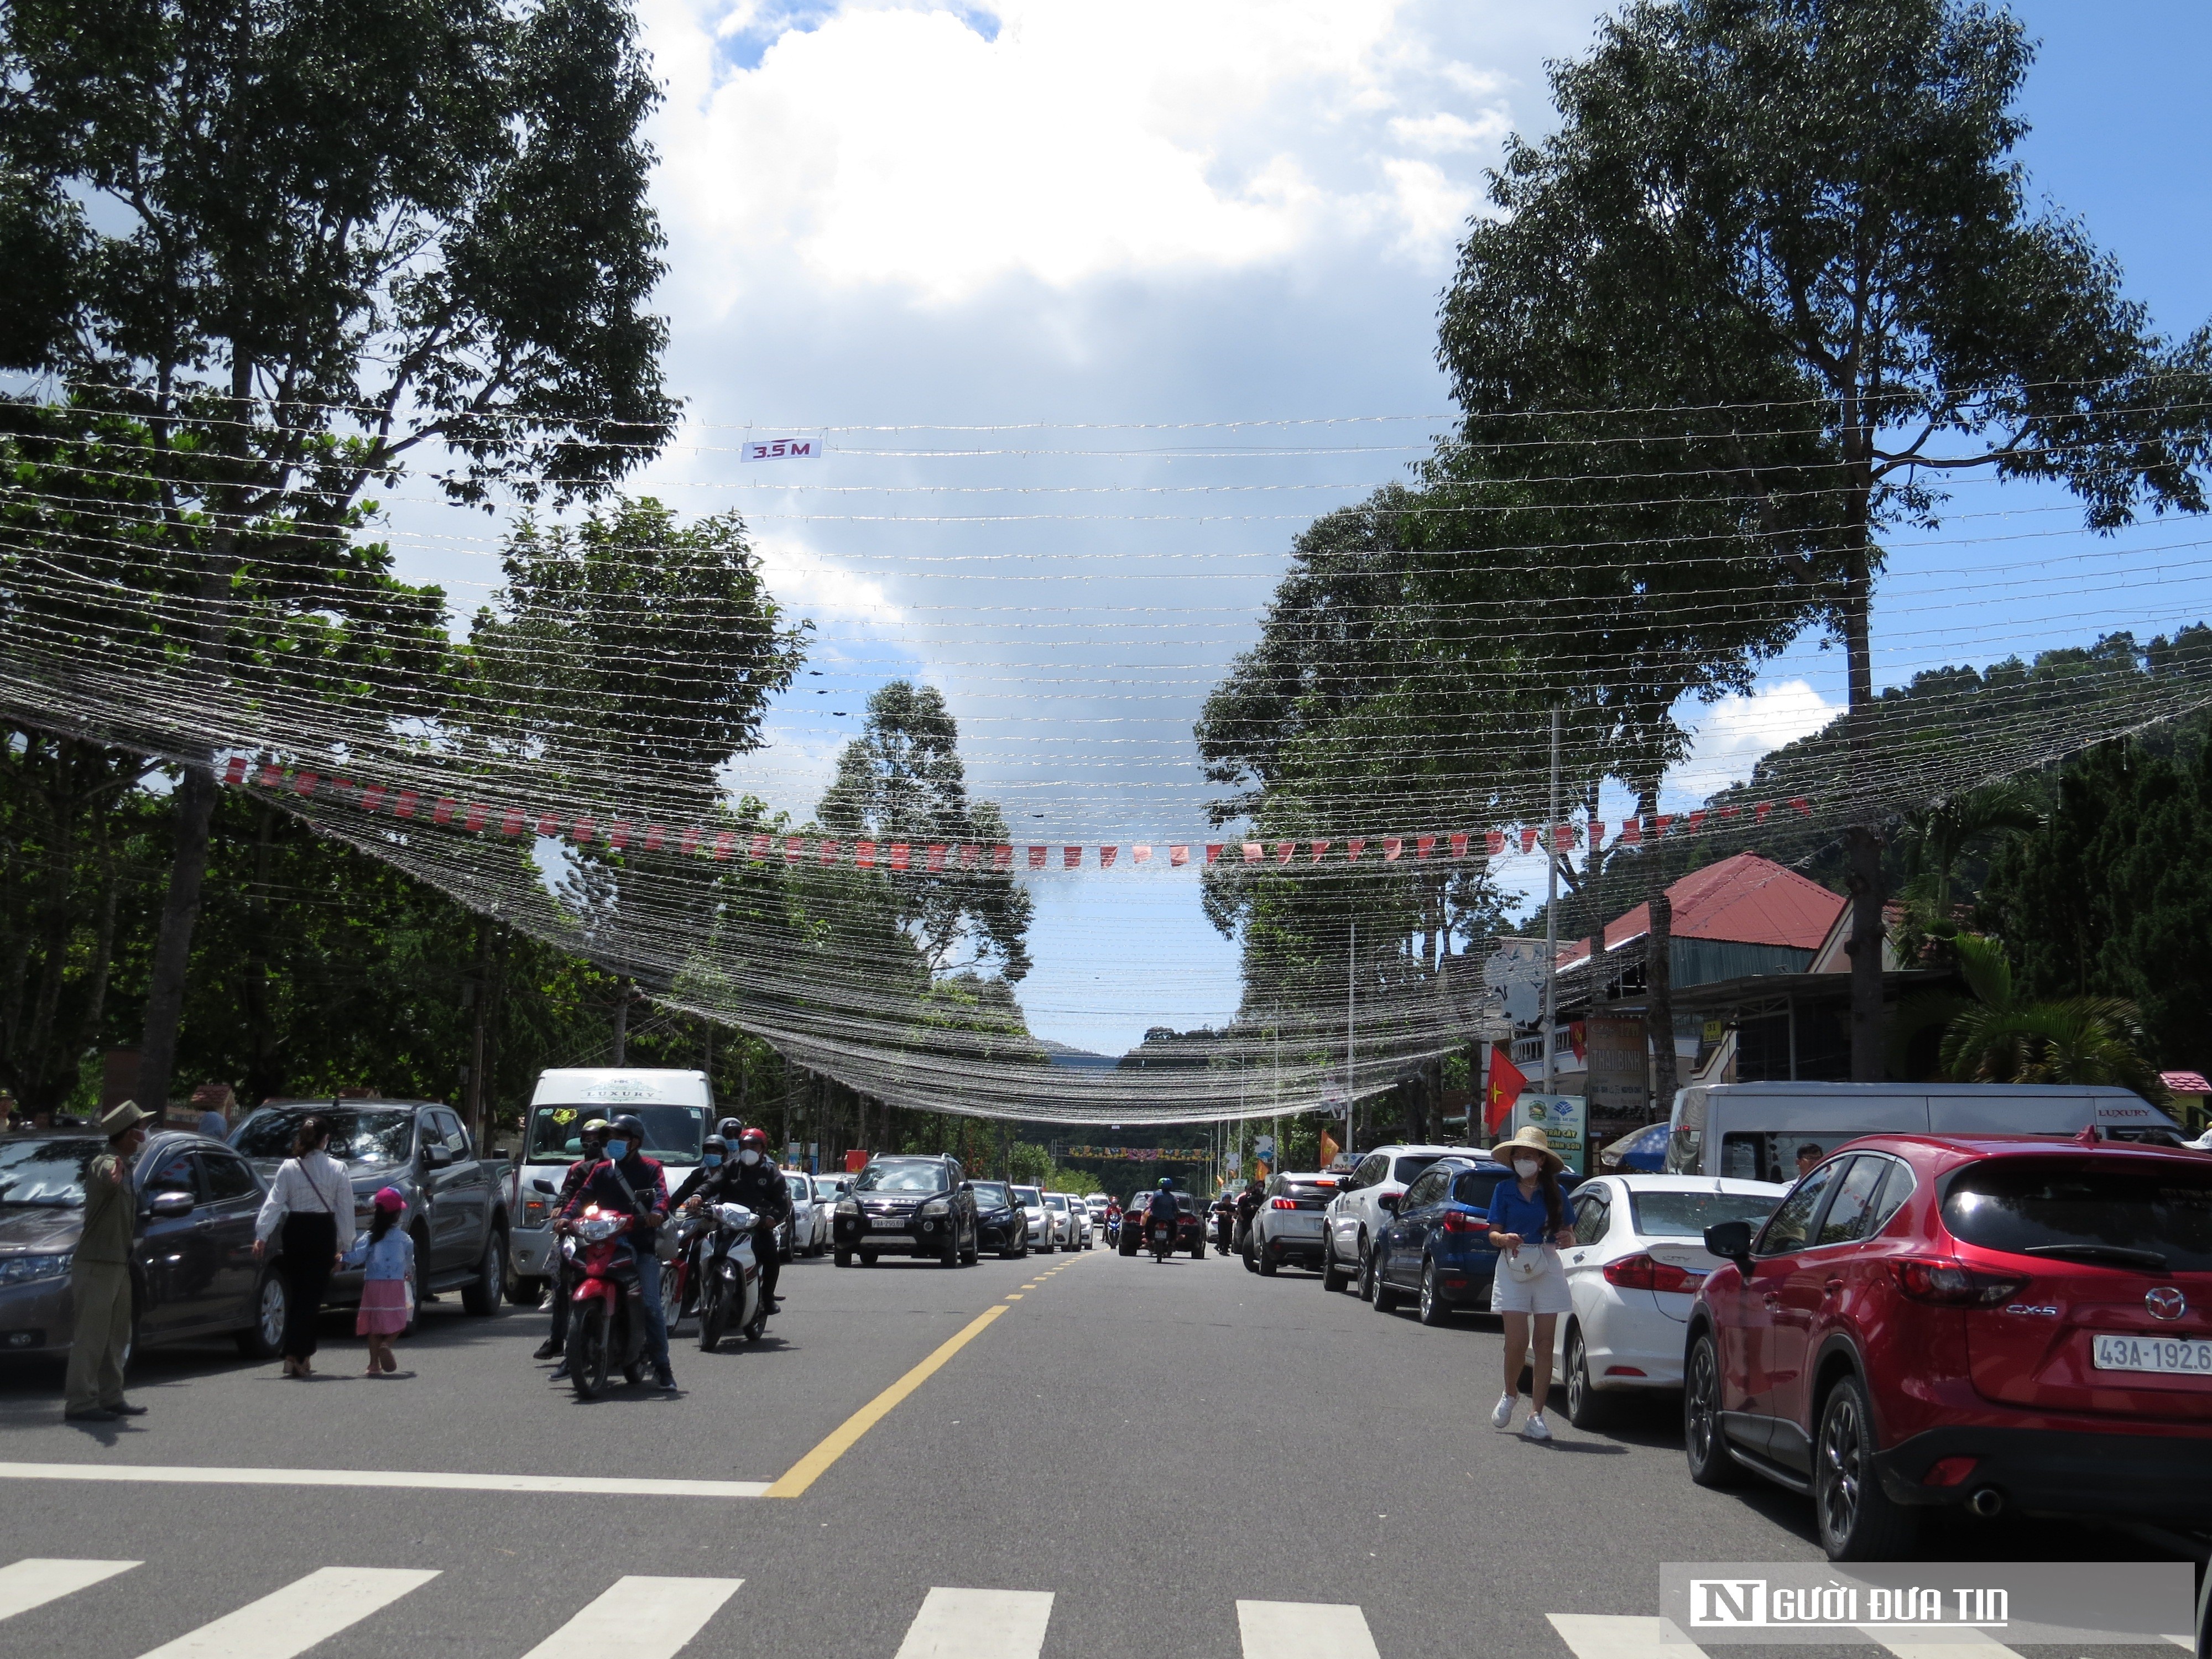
1528 1264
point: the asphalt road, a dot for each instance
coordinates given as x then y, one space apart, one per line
1148 1445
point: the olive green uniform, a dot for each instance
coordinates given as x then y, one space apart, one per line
100 1282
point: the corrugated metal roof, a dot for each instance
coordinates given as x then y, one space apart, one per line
1746 899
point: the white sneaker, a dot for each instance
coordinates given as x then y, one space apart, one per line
1502 1413
1535 1428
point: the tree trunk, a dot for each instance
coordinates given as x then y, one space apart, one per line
265 1077
46 1088
173 948
1658 963
1863 841
622 1021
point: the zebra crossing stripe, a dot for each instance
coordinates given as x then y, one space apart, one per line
978 1624
1605 1636
289 1622
34 1581
1304 1630
1969 1645
639 1617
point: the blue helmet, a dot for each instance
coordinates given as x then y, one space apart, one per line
1167 1184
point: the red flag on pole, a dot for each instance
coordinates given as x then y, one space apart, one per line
1506 1084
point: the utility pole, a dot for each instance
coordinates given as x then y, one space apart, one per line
1351 1039
1552 917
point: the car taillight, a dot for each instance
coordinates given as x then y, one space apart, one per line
1282 1204
1643 1272
1465 1221
1948 1284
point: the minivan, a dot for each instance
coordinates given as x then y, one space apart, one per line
1760 1131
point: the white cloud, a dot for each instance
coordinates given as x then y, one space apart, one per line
1733 734
904 144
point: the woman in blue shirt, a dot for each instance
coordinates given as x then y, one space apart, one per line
1528 1223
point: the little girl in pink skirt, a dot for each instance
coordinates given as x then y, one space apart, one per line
388 1256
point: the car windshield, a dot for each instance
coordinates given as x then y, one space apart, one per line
990 1196
1027 1199
902 1178
1405 1168
1687 1215
1055 1201
45 1174
2073 1210
673 1135
800 1188
358 1135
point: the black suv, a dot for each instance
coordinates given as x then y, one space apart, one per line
912 1205
1001 1224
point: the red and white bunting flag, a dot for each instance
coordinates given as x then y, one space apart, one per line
934 858
406 809
1802 804
1697 822
272 777
1392 845
971 855
1319 848
826 852
1459 845
688 842
474 820
1285 851
303 783
1141 854
1423 845
864 855
1106 857
792 846
1252 852
1760 811
724 842
654 836
510 824
1037 857
1178 854
1353 849
1632 833
900 855
1213 850
233 770
1071 857
617 835
1002 858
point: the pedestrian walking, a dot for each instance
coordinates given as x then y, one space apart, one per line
312 1201
100 1274
1528 1223
385 1256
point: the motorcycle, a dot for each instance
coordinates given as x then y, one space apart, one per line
604 1330
1114 1227
729 1277
1163 1240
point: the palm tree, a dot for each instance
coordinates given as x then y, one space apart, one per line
1997 1038
1935 838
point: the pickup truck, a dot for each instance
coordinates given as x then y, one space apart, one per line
457 1205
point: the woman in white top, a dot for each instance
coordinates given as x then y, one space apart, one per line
312 1201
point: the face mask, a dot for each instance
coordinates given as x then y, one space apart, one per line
749 1156
712 1160
1526 1167
617 1150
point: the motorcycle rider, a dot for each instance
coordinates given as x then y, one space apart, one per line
627 1181
702 1189
1248 1205
593 1138
757 1184
1160 1206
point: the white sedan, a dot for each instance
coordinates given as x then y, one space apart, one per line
810 1221
1633 1270
1044 1225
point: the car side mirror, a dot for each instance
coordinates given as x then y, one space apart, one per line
169 1205
967 1185
1731 1241
436 1156
1388 1202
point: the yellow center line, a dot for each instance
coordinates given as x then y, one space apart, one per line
1014 1295
808 1469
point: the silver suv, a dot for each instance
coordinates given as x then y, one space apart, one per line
1287 1225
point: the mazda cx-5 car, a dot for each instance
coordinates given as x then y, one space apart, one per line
2007 1323
912 1205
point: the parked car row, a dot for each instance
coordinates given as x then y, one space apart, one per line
1928 1310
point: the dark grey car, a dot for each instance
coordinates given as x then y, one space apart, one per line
196 1274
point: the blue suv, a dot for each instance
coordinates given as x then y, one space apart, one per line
1435 1246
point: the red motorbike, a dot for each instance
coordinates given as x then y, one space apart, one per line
607 1316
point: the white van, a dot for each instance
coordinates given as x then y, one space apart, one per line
678 1110
1776 1131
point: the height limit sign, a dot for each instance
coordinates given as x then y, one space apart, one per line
781 449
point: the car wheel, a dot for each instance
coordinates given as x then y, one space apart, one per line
526 1293
843 1258
1363 1285
1198 1250
1384 1296
264 1338
1332 1276
481 1295
949 1255
1434 1308
1129 1242
867 1258
1251 1262
1702 1440
1586 1407
1859 1522
1270 1263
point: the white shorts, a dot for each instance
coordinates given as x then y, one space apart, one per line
1546 1293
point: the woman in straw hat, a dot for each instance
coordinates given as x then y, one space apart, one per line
1528 1223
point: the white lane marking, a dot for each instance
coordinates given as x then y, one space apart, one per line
1611 1636
978 1624
639 1618
405 1479
289 1622
37 1580
1967 1644
1304 1630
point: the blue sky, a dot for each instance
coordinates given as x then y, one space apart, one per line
1123 219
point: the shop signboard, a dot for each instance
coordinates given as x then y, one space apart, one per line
1619 1082
1565 1120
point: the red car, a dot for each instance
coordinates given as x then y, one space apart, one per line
2010 1322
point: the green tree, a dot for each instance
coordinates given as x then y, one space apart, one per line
298 247
1814 209
2003 1037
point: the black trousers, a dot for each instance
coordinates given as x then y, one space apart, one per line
310 1245
769 1266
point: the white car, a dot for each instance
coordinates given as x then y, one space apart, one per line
1287 1225
1078 1220
1044 1226
1096 1204
1633 1270
1356 1215
810 1221
1063 1220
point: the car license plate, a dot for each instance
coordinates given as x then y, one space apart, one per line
887 1221
2176 1356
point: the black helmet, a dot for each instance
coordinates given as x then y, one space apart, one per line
715 1144
729 1128
631 1127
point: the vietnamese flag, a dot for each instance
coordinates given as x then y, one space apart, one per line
1506 1084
